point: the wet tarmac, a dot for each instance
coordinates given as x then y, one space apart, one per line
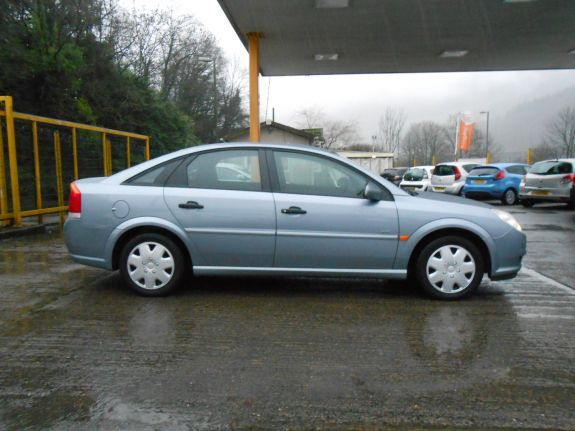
80 351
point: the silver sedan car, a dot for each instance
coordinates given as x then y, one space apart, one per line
286 211
549 181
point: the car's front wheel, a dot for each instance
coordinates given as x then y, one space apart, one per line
152 264
449 268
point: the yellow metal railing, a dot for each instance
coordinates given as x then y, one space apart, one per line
11 211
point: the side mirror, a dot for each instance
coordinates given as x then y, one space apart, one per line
373 192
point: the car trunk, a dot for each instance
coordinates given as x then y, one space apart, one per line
484 175
443 175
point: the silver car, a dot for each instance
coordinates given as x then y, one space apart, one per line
450 177
304 212
549 181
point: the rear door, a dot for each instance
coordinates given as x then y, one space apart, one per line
223 201
323 221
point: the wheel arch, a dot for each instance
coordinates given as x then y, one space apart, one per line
129 232
449 231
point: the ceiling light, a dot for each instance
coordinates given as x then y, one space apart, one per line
518 1
572 52
326 57
454 53
331 4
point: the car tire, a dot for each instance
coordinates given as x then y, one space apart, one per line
152 264
449 268
509 197
526 203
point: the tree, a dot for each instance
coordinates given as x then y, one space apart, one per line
334 133
424 142
390 128
561 132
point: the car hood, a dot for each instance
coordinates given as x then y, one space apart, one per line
451 199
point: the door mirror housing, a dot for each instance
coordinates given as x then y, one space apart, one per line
373 192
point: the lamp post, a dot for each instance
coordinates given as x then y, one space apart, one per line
215 100
486 137
373 139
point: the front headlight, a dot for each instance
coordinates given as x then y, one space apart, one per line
508 218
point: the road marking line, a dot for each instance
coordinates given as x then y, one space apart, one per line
552 282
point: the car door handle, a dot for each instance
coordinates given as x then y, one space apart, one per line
191 205
293 210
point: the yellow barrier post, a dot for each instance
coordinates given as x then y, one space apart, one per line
529 156
3 186
13 161
433 160
105 153
109 150
128 158
59 181
75 153
147 148
488 157
37 178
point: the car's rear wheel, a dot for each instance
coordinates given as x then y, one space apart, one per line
152 264
526 203
509 197
449 268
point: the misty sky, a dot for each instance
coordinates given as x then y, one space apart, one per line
363 98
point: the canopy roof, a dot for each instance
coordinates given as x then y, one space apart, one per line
312 37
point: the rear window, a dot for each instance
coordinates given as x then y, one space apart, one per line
470 166
484 171
551 168
443 170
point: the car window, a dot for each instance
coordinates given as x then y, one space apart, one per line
551 168
154 176
443 170
314 175
516 169
470 166
415 174
226 170
483 171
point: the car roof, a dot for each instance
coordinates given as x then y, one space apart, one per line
134 170
502 165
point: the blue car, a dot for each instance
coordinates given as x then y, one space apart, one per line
495 181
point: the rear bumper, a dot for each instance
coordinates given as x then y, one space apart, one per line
452 189
546 195
482 192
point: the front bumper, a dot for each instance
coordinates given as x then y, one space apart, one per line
508 254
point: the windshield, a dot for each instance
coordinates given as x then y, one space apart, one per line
414 174
483 171
551 168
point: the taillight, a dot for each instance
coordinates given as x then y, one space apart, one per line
568 179
75 204
457 173
500 175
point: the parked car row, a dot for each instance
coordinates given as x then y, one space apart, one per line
511 183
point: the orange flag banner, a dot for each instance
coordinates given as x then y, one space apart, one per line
465 135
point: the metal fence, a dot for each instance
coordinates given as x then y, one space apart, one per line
43 154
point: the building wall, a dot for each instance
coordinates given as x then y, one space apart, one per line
274 136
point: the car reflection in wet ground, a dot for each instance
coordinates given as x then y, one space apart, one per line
80 351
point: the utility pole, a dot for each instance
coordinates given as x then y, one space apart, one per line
486 137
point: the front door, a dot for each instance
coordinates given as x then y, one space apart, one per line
323 220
